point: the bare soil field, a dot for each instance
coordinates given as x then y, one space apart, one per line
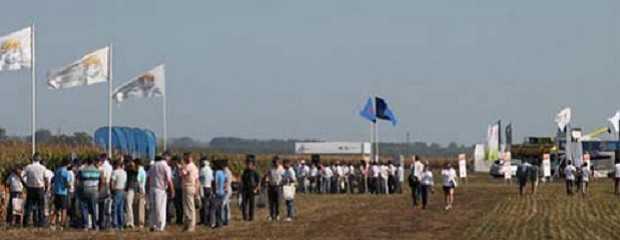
484 209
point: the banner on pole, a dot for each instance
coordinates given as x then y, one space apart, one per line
493 142
16 50
462 166
90 69
148 85
546 165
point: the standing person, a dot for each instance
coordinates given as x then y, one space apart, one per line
220 192
37 187
118 184
391 189
60 186
139 212
534 173
569 173
177 201
426 185
363 169
250 183
206 179
131 190
449 183
400 173
89 180
273 177
414 179
314 182
585 178
71 198
374 178
289 180
384 173
105 200
191 186
226 203
617 174
326 180
304 170
16 188
522 176
160 179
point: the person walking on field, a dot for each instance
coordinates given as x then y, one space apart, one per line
250 184
289 179
569 173
426 185
414 179
522 176
189 175
534 173
160 179
585 178
449 184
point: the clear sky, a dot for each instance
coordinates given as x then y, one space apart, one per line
303 69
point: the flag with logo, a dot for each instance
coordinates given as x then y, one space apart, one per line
90 69
148 85
16 50
615 121
563 118
383 111
508 132
368 112
493 142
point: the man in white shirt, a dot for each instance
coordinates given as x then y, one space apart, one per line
569 173
327 179
384 174
374 178
314 173
414 179
206 178
37 187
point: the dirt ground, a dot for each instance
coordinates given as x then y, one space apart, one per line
484 209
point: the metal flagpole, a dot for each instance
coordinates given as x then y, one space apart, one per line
34 92
165 121
377 141
372 130
110 77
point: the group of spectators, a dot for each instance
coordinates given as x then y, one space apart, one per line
100 194
336 177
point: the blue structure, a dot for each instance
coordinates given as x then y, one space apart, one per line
132 141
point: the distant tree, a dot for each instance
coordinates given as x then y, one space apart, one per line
2 133
82 138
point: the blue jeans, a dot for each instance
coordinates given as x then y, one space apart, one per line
327 185
89 207
290 208
118 209
216 211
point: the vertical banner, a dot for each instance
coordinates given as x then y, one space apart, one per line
546 165
462 166
508 136
507 167
493 142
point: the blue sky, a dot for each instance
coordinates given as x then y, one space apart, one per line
293 69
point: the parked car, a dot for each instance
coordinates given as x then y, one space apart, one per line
497 169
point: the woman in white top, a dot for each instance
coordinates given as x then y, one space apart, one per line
426 185
449 183
585 178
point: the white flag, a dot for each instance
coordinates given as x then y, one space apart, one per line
563 118
16 50
615 121
92 68
147 85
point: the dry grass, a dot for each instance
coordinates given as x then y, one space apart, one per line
484 209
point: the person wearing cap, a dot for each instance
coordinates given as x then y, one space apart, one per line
250 183
36 187
206 179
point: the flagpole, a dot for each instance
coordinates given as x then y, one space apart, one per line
372 130
110 76
165 121
34 92
377 142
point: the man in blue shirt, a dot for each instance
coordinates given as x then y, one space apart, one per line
220 192
60 187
